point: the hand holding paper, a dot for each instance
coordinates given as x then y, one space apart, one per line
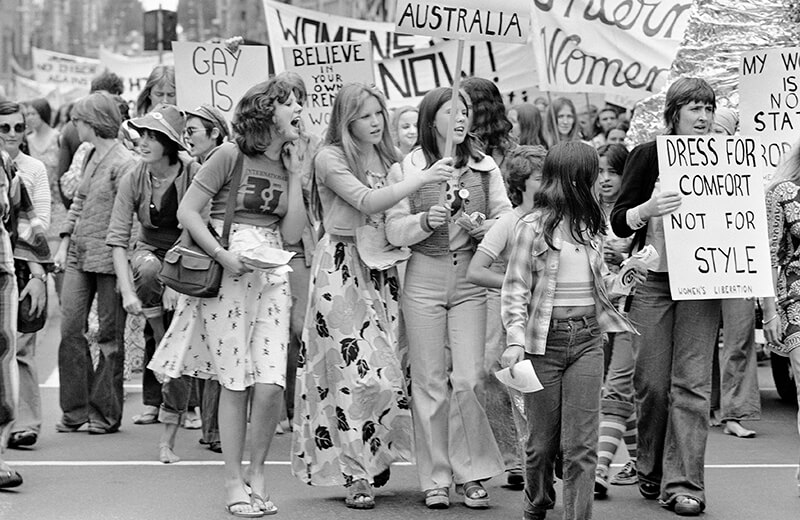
520 377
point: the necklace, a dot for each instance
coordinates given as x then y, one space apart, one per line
155 181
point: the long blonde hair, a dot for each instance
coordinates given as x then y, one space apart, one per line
346 107
788 169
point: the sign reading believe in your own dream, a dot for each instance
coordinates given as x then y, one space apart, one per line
770 100
716 242
213 73
325 67
498 20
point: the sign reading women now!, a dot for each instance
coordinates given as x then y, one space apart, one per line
498 20
716 241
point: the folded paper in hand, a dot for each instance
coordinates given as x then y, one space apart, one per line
254 251
524 377
376 251
471 221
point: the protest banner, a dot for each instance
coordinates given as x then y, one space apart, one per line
499 20
134 71
406 66
622 47
769 102
288 25
64 71
325 67
716 242
462 20
213 73
405 79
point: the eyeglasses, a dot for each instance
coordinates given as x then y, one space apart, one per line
190 131
6 128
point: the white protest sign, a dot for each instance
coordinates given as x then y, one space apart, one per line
288 25
619 47
134 71
499 20
769 106
325 67
717 245
65 71
213 73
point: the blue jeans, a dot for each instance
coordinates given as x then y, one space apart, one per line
29 407
672 381
565 416
88 394
617 398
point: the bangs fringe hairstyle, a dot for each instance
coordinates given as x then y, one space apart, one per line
398 113
298 85
682 92
99 110
431 103
615 154
252 119
490 122
567 192
530 124
346 109
550 123
522 162
171 149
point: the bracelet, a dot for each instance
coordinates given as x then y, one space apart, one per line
41 277
216 251
773 318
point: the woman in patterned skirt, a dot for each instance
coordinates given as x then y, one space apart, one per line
240 337
352 417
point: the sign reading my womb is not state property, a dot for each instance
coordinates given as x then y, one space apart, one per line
769 89
498 20
716 241
325 68
213 73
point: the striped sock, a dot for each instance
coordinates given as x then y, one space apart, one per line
630 435
612 429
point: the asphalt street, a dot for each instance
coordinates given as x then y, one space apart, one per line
118 477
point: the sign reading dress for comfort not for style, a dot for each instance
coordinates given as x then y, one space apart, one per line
716 242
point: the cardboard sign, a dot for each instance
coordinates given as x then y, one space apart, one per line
134 71
289 25
769 101
212 73
716 242
500 20
611 47
325 68
65 71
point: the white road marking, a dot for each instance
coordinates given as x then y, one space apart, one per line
89 463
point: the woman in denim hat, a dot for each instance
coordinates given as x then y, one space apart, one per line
152 192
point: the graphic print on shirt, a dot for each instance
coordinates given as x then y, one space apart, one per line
263 191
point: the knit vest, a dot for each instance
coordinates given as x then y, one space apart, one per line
474 181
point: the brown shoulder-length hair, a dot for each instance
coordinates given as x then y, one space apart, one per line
682 92
430 104
252 119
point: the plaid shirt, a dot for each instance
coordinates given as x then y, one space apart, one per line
530 285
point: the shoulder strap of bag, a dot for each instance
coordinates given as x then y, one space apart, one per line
236 180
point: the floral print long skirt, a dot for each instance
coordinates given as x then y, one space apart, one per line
352 416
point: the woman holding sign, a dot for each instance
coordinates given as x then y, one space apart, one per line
445 313
674 352
351 417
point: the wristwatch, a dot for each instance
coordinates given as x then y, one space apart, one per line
42 277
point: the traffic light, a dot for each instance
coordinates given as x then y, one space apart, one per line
169 21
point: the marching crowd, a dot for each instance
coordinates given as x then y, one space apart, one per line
430 249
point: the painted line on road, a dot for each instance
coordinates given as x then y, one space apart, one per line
71 463
90 463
